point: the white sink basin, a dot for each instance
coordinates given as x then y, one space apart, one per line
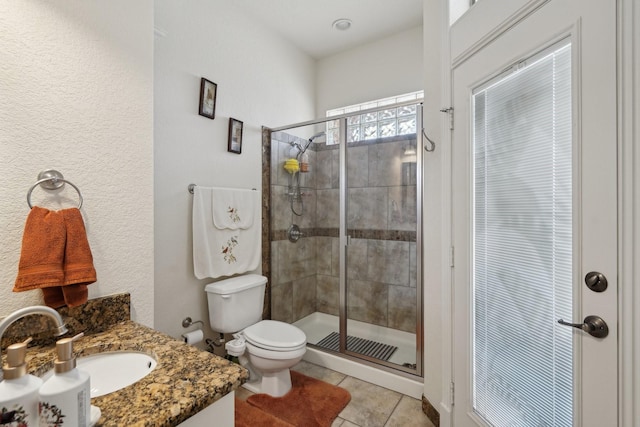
112 371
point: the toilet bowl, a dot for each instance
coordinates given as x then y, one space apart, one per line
267 348
272 348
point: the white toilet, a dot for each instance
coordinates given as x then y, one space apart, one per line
270 347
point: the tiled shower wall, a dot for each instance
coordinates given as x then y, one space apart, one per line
381 219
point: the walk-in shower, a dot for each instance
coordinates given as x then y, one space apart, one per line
349 275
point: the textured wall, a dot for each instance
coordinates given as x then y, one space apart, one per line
76 90
262 80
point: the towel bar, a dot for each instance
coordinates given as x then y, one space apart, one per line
51 180
191 187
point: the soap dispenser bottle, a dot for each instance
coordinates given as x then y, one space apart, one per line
66 395
304 162
18 390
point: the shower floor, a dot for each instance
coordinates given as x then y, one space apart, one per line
318 325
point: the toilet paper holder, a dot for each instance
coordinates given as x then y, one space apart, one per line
210 343
189 322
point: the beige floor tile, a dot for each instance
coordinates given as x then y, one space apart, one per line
408 413
319 372
370 404
242 393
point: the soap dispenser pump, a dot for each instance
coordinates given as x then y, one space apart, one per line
66 395
18 390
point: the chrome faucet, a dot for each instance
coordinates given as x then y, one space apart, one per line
36 309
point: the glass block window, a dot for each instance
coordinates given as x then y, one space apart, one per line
383 123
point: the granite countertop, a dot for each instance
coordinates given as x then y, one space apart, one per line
185 380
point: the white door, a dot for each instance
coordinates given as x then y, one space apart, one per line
534 212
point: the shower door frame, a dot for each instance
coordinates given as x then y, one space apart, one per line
344 241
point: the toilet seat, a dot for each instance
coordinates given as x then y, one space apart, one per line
275 336
287 354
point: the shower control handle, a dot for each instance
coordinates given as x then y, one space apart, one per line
294 233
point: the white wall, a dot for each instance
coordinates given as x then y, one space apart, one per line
262 80
435 215
386 67
76 84
456 9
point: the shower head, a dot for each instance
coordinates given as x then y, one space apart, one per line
301 149
314 137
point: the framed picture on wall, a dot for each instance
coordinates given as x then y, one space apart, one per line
235 136
207 98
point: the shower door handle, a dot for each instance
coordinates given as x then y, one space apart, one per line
593 325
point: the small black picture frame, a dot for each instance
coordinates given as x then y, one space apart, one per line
208 90
235 136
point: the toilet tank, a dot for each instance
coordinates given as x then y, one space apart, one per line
235 303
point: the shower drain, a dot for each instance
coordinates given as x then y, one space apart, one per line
358 345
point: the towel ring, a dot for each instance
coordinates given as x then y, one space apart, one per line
51 180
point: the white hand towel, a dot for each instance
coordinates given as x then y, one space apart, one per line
233 209
224 252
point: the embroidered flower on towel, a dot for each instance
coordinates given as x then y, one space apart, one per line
233 214
228 250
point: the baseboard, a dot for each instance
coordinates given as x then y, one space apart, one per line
430 411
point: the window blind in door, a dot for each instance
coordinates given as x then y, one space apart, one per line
522 243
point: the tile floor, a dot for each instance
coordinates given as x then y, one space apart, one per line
370 405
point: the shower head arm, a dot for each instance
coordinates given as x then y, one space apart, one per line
302 150
311 140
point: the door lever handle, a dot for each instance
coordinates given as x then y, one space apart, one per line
593 325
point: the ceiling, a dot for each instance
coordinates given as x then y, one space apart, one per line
308 23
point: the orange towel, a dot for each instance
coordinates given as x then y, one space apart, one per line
76 261
42 255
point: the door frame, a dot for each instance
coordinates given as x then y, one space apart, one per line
629 209
628 36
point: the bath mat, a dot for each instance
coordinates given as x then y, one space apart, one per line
310 403
247 415
358 345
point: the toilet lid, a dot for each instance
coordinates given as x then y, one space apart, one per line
275 335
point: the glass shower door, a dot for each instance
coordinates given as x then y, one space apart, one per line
350 275
380 211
